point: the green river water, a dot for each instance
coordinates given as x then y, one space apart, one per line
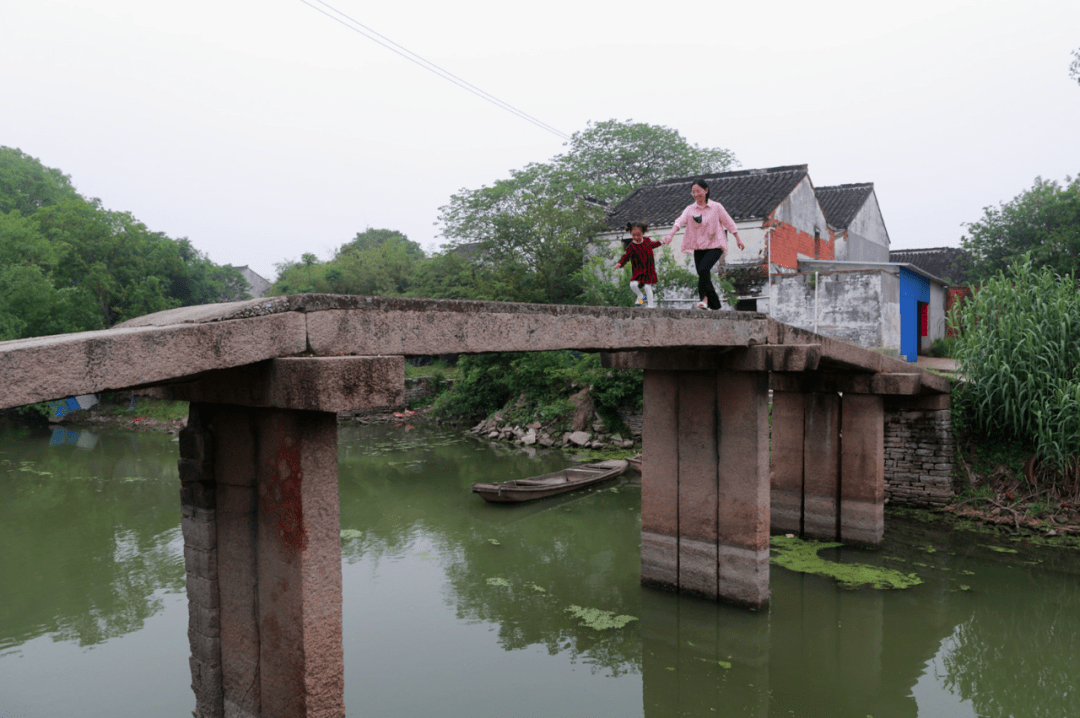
456 608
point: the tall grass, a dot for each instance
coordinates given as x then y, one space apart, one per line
1019 351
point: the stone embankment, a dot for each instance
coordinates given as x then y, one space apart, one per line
534 434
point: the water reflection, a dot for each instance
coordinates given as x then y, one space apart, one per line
458 607
90 533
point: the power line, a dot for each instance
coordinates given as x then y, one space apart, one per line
411 56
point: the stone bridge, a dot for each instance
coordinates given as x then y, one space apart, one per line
258 459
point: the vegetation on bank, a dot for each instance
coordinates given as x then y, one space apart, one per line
1016 414
68 264
536 387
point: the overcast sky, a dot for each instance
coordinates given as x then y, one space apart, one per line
264 129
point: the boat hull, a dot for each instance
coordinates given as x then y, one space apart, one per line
542 487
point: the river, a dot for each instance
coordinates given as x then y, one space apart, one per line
453 607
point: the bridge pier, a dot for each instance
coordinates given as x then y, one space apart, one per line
828 459
705 500
262 532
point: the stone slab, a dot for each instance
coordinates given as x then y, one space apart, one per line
329 384
56 367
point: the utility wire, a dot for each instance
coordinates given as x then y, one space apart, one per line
389 44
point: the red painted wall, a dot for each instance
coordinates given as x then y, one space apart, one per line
787 243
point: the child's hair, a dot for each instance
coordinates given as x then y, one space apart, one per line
630 226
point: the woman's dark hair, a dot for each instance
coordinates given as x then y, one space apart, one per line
703 185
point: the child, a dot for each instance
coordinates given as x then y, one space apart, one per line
640 253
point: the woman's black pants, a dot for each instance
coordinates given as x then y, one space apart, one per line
704 261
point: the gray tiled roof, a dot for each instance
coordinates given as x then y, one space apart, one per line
948 263
745 194
842 202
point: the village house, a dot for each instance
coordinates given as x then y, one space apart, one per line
814 258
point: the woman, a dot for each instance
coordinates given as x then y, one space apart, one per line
705 222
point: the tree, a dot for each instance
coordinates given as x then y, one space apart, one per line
609 160
378 262
26 185
530 231
1044 221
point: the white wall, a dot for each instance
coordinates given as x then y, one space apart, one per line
860 307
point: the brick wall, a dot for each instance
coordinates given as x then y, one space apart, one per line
919 454
787 242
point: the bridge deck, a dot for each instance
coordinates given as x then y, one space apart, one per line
180 344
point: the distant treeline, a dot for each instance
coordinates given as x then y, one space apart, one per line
68 264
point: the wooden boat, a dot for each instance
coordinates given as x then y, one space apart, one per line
560 482
635 462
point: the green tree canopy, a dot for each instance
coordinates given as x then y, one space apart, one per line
529 232
377 262
26 185
68 264
1044 220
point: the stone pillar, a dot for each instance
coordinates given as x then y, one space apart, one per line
660 482
273 609
788 423
705 497
262 531
742 399
828 457
862 470
821 466
198 520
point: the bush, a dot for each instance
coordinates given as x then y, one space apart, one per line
1018 352
537 386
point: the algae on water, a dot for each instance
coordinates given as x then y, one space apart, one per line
599 620
798 555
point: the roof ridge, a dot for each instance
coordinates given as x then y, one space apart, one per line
736 173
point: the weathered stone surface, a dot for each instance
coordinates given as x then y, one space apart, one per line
301 662
329 384
862 470
787 462
743 500
167 346
45 368
821 466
